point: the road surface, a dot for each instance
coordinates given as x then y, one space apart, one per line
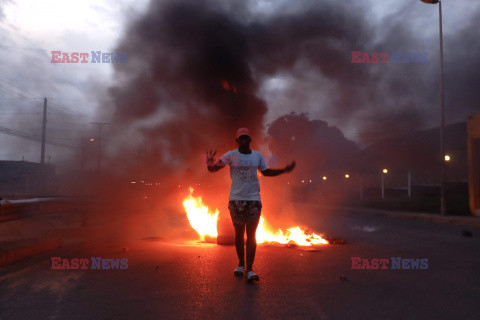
190 280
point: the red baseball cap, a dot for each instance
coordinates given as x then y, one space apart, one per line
243 131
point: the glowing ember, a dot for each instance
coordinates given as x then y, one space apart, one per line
203 221
229 87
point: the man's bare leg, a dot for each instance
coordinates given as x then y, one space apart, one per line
240 244
251 243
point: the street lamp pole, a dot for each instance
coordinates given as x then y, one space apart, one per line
443 208
442 111
383 186
384 172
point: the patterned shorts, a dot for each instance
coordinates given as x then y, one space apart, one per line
244 211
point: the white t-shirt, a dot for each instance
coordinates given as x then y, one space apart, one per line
243 172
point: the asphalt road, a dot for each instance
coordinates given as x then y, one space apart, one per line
189 280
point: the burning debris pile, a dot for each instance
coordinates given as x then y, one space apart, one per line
204 222
200 218
296 235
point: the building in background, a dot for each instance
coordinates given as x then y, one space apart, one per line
473 145
23 178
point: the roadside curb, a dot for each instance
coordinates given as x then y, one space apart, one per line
469 221
16 254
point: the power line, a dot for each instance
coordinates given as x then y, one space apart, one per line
80 122
13 93
20 122
18 113
72 113
27 136
17 98
70 99
22 48
69 114
35 95
16 95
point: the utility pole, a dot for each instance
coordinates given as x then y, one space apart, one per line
44 130
99 155
443 208
385 171
383 186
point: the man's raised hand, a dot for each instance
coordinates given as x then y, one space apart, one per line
211 158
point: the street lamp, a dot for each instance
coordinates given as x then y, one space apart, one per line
347 176
442 108
385 171
447 157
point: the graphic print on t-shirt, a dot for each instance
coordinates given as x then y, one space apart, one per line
243 172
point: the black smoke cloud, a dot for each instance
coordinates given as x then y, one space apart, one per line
195 69
462 71
191 72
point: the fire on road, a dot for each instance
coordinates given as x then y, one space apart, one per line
204 222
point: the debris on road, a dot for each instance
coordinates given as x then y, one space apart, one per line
467 234
225 240
210 239
335 241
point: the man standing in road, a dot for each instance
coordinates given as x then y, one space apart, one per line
244 202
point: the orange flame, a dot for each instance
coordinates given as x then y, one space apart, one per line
199 217
205 223
294 234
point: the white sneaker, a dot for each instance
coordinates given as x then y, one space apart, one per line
239 271
251 276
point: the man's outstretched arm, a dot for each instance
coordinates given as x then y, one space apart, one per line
276 172
213 166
